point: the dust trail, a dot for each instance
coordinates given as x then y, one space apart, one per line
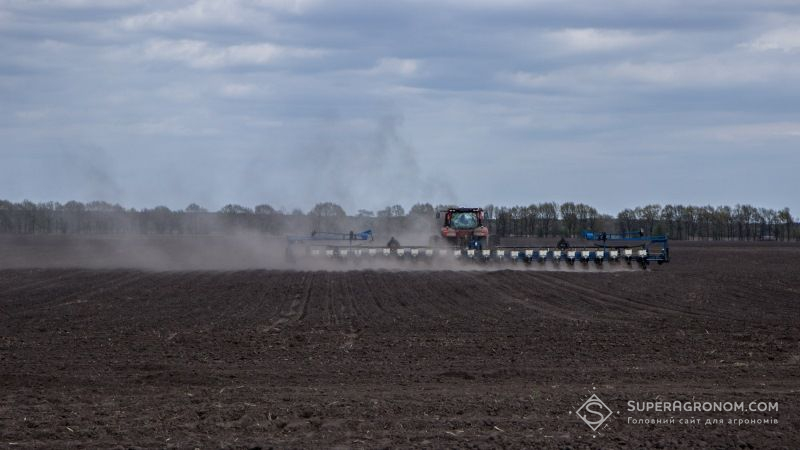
358 162
235 251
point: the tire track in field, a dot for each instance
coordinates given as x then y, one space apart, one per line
744 296
613 307
80 315
260 295
391 302
510 288
201 299
420 297
199 294
276 288
381 293
462 296
338 300
373 309
43 279
344 297
329 309
297 310
468 294
652 307
38 293
386 294
93 286
359 315
221 293
121 283
300 305
545 302
595 301
639 305
451 296
163 299
353 319
250 288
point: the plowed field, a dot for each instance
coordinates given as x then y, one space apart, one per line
104 357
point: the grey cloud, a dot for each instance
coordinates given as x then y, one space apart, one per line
293 102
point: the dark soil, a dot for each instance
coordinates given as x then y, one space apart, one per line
99 358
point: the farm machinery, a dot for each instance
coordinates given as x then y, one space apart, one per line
335 244
634 245
463 228
325 236
464 236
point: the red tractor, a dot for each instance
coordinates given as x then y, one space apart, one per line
465 228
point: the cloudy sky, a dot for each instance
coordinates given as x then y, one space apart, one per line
368 103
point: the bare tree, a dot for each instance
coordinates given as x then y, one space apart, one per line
549 217
326 215
422 210
785 218
742 221
569 218
365 213
195 208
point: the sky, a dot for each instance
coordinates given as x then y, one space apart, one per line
367 104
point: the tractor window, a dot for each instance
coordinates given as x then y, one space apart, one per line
464 220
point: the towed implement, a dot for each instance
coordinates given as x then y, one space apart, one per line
325 236
647 248
464 236
333 243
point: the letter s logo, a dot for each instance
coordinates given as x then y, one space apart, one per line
594 412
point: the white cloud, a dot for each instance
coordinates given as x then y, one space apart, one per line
783 39
235 90
711 71
754 131
293 6
136 75
171 126
260 122
708 71
595 40
5 18
180 92
525 79
215 12
33 114
84 4
660 73
395 66
200 54
197 13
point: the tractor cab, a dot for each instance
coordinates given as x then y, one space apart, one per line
464 227
463 219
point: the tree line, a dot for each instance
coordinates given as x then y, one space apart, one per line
547 219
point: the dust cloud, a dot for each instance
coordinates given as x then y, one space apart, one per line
368 165
236 251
